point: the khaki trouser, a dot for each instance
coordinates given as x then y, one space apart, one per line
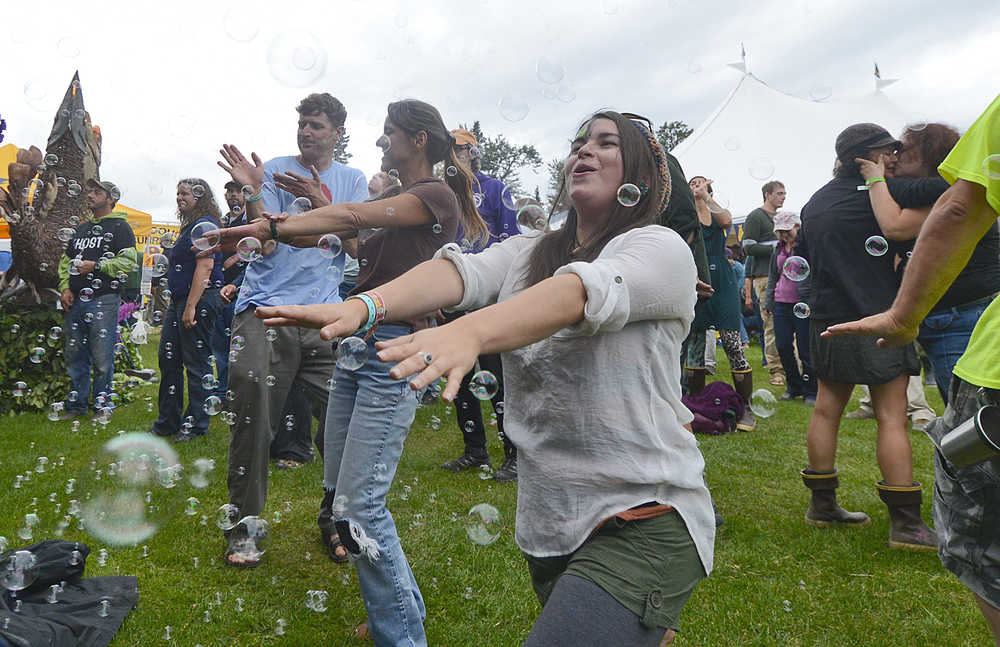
260 378
917 408
770 350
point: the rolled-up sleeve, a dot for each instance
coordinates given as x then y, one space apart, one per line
644 274
483 273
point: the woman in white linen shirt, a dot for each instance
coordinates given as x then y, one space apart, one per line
613 515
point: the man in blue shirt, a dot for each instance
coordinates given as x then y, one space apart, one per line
267 362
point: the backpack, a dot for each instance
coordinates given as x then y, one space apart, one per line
716 409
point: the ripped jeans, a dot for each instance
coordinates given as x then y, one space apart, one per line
368 417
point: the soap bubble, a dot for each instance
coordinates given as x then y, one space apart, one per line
513 106
629 195
205 235
531 217
763 403
213 405
86 294
801 310
65 234
549 71
299 206
352 353
168 239
484 385
992 166
226 516
250 537
198 191
732 143
761 168
566 94
241 24
51 159
36 355
820 92
238 342
271 335
198 476
129 488
876 245
209 382
191 506
557 220
330 245
20 389
483 524
451 171
55 333
796 268
296 59
248 249
17 570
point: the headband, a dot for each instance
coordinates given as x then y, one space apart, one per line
660 158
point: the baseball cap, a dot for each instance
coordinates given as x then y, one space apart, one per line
464 138
859 138
785 220
108 187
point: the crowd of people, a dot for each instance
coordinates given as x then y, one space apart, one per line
423 273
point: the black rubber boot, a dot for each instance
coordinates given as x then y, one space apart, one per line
695 379
743 383
907 529
823 508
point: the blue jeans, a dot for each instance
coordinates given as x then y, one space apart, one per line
789 332
368 417
91 342
220 346
185 350
944 336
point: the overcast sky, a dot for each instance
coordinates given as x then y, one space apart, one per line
168 83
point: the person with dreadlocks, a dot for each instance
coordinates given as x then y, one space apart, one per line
613 515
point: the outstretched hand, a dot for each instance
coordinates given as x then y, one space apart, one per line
303 187
240 168
333 319
451 350
889 330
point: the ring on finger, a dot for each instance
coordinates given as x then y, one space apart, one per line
427 357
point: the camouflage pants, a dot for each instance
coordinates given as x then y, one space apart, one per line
967 501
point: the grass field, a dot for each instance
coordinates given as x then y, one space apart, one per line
776 581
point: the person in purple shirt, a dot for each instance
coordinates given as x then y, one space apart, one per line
496 206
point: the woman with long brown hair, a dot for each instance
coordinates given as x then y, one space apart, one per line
189 320
370 411
613 515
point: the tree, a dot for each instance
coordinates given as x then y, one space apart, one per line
340 153
555 167
672 133
504 160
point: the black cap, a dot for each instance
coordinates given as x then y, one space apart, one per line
233 184
858 139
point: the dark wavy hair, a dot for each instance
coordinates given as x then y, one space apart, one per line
933 143
204 205
412 116
559 247
324 103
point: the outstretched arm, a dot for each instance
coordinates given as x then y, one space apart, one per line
958 220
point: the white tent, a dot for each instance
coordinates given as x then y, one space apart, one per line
758 134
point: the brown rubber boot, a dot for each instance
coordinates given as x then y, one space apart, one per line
907 529
823 508
743 383
695 379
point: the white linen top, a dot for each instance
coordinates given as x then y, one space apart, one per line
595 410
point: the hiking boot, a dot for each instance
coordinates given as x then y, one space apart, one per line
907 529
467 461
860 414
507 471
743 382
823 508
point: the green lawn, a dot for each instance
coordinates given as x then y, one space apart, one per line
776 581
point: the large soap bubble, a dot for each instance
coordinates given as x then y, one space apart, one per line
129 489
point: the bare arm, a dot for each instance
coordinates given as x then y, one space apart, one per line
721 216
403 210
958 220
896 223
202 270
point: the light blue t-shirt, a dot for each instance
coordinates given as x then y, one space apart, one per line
292 275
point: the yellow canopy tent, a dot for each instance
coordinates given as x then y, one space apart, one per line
142 222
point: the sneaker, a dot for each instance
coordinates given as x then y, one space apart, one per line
143 374
860 414
810 400
507 471
777 379
467 461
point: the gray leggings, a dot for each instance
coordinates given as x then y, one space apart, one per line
579 613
